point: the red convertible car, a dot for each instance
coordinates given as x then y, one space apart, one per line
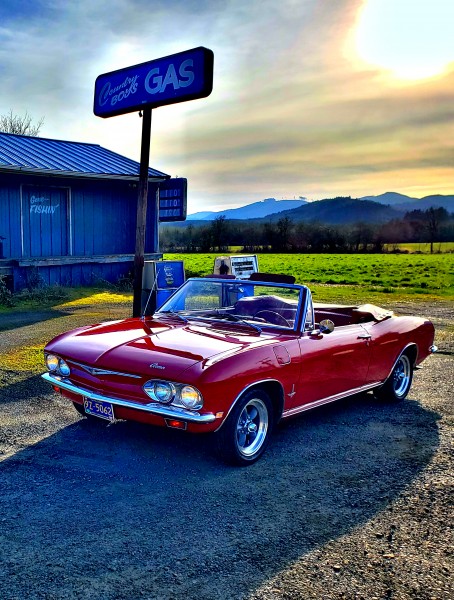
234 357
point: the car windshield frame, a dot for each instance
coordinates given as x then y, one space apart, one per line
228 290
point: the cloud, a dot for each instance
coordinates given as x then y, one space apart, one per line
293 110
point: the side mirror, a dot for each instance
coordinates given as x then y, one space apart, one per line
326 326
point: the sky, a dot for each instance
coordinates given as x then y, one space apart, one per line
312 98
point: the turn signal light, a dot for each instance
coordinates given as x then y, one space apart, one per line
176 424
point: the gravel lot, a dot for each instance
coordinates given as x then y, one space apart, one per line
353 500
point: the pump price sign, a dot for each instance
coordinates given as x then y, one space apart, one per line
184 76
173 202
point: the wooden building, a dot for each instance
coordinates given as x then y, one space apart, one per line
68 212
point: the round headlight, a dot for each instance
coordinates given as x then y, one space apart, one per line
191 398
63 368
164 392
52 362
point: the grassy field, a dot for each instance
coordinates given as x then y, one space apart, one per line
421 247
353 277
382 279
342 278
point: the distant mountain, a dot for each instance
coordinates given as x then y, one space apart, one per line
256 210
435 201
339 211
335 211
202 216
390 198
405 203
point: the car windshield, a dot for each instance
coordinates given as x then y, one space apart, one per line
253 303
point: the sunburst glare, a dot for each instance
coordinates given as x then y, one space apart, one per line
410 38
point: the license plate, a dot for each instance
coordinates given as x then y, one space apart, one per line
99 408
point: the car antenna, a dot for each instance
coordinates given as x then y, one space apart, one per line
148 299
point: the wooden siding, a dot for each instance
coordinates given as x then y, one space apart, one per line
10 218
104 218
94 219
102 215
72 275
45 220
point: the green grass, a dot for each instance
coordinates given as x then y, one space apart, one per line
353 277
423 247
28 358
339 278
378 278
72 298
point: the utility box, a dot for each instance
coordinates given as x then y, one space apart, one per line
241 266
161 278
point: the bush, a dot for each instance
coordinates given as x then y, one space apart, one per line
45 294
6 297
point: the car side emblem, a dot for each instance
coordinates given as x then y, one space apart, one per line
156 366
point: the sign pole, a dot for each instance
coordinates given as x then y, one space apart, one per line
180 77
141 211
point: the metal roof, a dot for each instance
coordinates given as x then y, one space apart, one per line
21 153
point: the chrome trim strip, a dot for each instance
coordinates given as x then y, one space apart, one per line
154 408
294 411
96 371
224 419
400 354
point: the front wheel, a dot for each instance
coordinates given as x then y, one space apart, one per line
243 438
398 384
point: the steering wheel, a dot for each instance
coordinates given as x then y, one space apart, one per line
277 319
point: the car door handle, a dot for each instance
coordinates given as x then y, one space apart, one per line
364 336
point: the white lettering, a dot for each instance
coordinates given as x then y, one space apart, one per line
186 73
156 80
154 83
104 95
129 86
39 199
43 210
170 79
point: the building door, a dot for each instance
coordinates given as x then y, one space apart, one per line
45 222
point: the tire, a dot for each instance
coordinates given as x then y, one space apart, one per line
245 435
397 386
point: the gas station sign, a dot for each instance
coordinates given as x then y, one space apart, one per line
173 200
184 76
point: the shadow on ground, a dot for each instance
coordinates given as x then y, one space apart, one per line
127 511
13 320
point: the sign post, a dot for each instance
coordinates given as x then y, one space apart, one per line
177 78
141 212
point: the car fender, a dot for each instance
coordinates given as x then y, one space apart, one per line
277 400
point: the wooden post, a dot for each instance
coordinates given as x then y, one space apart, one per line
141 212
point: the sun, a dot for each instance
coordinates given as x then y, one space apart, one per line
412 39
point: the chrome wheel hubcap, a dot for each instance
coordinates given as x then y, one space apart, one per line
401 376
252 427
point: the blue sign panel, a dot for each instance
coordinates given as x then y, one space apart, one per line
184 76
173 195
169 274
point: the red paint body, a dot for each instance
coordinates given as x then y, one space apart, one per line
299 369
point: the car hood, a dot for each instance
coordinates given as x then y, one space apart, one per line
164 348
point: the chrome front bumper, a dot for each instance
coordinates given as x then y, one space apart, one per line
169 412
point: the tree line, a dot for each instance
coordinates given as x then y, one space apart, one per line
429 226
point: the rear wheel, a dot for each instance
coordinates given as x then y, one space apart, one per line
245 435
398 384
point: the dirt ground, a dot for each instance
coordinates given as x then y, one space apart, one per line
353 500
